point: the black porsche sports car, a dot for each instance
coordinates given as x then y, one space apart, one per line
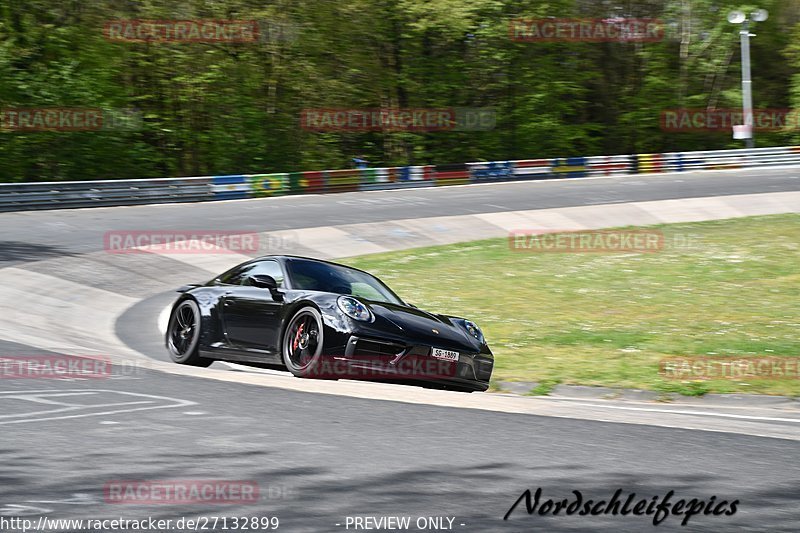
323 320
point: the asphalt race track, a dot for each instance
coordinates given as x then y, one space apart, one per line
80 231
321 453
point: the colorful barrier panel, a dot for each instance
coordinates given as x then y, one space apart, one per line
396 174
608 165
650 163
492 171
296 183
452 174
343 180
369 178
315 182
569 167
373 179
533 169
262 185
230 187
680 162
397 177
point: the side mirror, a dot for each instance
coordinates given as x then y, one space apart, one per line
263 281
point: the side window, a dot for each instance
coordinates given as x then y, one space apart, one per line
270 268
235 276
238 276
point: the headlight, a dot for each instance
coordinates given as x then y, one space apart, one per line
353 308
473 329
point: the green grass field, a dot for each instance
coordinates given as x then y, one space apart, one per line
721 288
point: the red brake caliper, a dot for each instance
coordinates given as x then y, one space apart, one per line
296 342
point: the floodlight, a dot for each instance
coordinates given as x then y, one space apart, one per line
736 17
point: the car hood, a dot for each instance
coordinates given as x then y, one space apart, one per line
420 327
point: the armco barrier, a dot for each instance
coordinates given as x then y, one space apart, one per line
27 196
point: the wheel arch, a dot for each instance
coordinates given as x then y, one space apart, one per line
289 313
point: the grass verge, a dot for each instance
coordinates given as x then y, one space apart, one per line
722 288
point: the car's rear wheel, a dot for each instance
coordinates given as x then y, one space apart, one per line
183 335
302 343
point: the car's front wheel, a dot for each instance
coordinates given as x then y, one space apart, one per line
302 343
183 335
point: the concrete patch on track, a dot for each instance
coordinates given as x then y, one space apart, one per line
55 314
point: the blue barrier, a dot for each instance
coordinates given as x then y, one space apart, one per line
493 171
230 187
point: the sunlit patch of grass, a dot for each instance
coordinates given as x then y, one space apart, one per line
728 287
544 388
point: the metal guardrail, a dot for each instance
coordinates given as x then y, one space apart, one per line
57 195
72 194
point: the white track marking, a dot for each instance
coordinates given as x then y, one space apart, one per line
681 411
45 396
245 368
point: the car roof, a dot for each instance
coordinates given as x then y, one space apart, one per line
285 257
304 258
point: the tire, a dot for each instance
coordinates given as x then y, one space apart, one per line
302 343
183 335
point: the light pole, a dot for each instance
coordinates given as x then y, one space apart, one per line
737 17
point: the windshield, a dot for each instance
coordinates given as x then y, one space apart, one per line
315 276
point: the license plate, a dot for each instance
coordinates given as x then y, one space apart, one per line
444 354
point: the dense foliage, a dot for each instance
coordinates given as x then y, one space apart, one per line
227 108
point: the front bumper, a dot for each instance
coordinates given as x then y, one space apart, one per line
374 359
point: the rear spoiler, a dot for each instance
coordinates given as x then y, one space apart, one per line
187 288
